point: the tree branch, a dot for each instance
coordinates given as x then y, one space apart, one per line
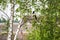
4 13
21 23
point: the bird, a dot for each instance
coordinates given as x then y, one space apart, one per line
34 15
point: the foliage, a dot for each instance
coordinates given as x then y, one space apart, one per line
48 29
2 20
3 4
5 29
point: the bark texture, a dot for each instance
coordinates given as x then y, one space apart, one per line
10 33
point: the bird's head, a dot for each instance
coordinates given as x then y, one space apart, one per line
33 12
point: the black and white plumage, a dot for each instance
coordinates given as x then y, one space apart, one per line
34 15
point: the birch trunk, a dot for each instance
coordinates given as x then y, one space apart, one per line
10 33
19 26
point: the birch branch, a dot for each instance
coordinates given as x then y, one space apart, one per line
19 26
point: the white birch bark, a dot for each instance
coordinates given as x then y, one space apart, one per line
22 22
11 21
19 26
